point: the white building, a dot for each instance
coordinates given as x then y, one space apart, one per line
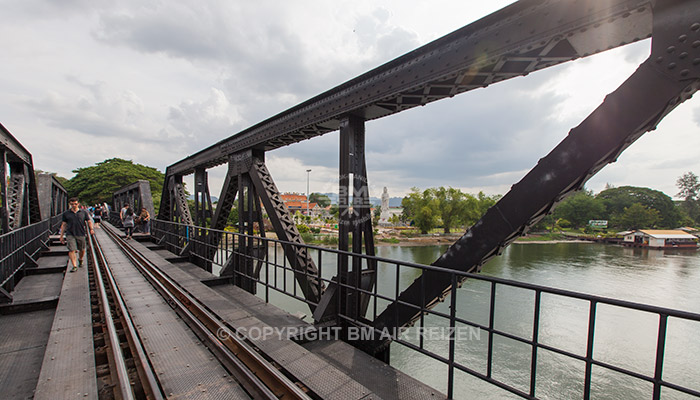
660 239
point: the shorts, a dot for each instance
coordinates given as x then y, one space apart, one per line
97 219
75 243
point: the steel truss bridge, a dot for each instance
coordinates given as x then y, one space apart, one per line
341 287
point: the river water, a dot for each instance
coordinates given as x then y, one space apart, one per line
624 338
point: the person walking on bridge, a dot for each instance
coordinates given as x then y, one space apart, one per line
73 226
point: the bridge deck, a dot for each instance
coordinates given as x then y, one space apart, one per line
184 367
23 338
25 325
332 369
68 368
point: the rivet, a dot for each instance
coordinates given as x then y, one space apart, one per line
659 60
671 49
685 72
696 61
671 65
682 38
695 26
696 44
683 55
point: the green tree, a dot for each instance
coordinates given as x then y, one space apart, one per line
451 205
484 202
638 216
689 186
616 200
320 198
579 208
97 183
420 207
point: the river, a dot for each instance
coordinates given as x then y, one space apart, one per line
625 338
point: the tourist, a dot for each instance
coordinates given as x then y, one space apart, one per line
128 222
73 226
122 213
145 221
97 214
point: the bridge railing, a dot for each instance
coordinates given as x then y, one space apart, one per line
19 247
514 335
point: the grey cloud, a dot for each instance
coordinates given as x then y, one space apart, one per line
48 9
481 138
94 113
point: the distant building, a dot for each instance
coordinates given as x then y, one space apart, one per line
660 239
298 202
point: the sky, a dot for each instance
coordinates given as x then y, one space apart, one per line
82 81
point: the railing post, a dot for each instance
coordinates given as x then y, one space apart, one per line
660 347
589 350
535 338
453 325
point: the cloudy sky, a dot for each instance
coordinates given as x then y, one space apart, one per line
82 81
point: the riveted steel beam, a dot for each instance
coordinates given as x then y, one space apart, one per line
524 37
355 219
137 195
20 200
53 197
306 273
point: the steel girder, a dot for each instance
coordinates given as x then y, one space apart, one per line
137 195
298 256
524 37
19 195
667 78
52 195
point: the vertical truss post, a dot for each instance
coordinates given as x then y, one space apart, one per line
203 210
221 214
16 195
243 261
306 273
179 211
202 199
355 220
250 251
4 208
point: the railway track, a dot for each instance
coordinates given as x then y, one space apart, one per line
124 370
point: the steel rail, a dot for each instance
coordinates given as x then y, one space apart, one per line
149 382
121 371
258 376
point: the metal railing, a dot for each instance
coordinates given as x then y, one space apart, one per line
17 246
481 306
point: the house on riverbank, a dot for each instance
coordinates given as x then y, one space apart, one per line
660 239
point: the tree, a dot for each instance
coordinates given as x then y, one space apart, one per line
638 216
689 186
616 200
451 205
420 208
579 208
320 198
97 183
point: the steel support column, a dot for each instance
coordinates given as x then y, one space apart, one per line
202 199
355 220
4 196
